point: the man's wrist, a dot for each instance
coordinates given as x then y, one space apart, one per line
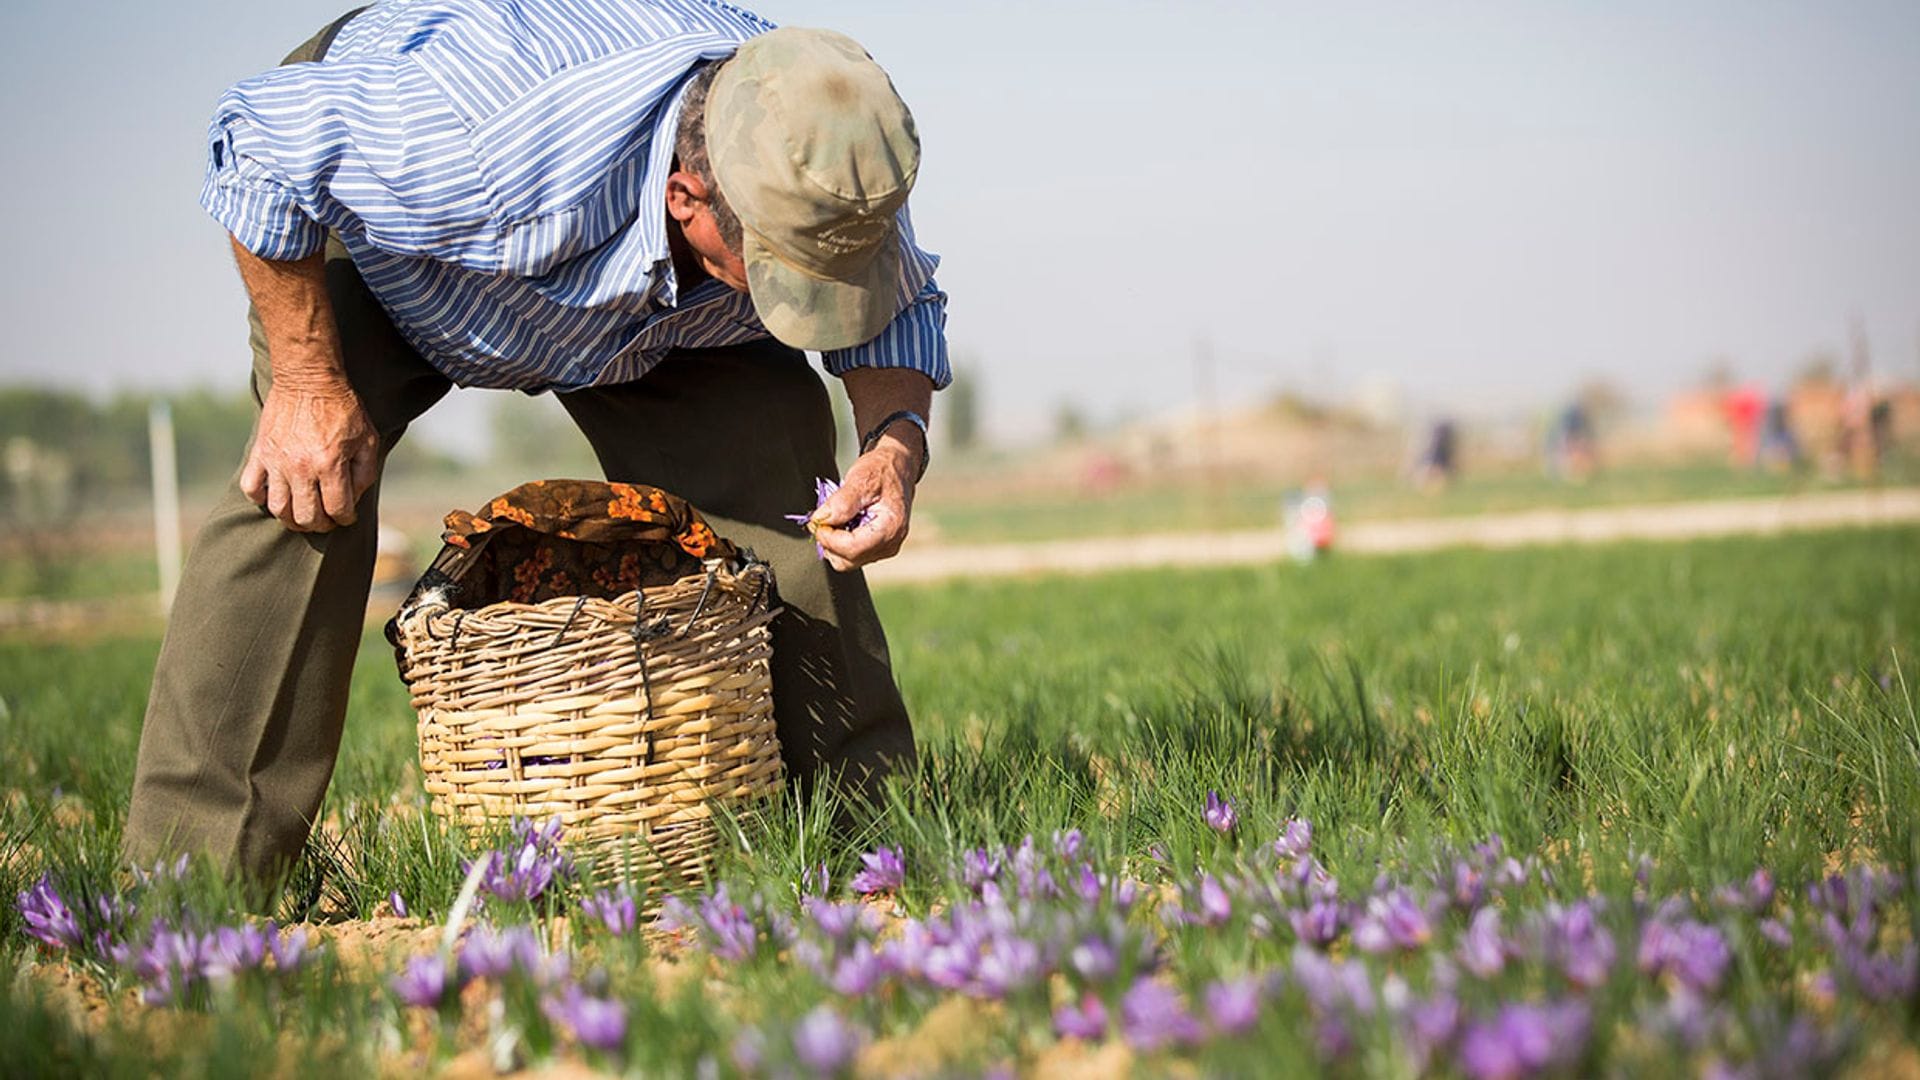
896 427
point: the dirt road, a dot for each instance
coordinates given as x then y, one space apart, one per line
1661 521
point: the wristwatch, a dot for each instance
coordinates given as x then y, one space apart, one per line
926 445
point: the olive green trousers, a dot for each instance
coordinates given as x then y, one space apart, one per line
249 697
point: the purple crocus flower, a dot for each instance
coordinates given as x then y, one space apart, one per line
1317 924
487 953
1007 964
1152 1016
1296 839
1581 947
1695 954
1086 1019
825 1043
616 909
836 922
598 1023
823 490
857 973
1068 843
1777 933
1094 959
978 867
1523 1040
1482 950
1215 905
1333 985
1233 1006
289 950
731 932
48 917
230 950
1428 1026
1393 921
883 870
1220 814
171 961
1882 978
424 984
398 903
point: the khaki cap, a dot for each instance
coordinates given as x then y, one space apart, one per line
815 153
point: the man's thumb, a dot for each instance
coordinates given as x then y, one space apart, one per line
841 507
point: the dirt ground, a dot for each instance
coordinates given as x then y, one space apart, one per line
1662 521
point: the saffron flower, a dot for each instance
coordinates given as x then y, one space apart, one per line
598 1023
1233 1007
1523 1040
1392 921
1220 814
1481 949
1153 1016
424 983
487 953
823 490
825 1043
49 919
884 871
1086 1019
398 903
1296 839
523 874
616 909
1695 954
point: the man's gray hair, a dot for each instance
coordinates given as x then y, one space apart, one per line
690 146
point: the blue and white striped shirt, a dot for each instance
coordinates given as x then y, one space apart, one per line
497 169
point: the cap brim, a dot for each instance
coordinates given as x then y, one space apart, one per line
809 312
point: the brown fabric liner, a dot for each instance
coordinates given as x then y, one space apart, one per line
551 538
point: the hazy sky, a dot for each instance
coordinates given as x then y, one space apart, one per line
1482 202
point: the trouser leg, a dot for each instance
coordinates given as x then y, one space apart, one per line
741 433
249 695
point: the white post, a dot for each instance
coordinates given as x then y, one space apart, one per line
166 499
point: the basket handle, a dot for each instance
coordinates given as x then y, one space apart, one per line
644 632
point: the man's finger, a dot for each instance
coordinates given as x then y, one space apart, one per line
366 469
841 507
253 481
280 499
306 506
336 494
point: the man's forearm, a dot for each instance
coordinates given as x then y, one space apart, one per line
877 393
315 451
302 338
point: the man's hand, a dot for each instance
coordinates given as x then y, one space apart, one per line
881 483
314 454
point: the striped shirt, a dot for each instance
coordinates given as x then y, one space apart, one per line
497 169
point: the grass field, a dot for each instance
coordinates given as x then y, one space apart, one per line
1642 727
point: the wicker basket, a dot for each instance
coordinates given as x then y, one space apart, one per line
628 717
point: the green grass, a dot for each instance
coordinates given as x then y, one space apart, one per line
1716 706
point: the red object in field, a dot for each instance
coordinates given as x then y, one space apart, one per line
1744 409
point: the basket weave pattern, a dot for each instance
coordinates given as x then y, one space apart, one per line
626 718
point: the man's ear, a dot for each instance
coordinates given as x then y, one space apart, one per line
685 194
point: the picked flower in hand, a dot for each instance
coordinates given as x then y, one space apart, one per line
823 490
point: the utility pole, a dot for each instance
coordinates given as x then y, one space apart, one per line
166 498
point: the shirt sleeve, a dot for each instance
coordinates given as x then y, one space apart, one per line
370 144
251 200
917 337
